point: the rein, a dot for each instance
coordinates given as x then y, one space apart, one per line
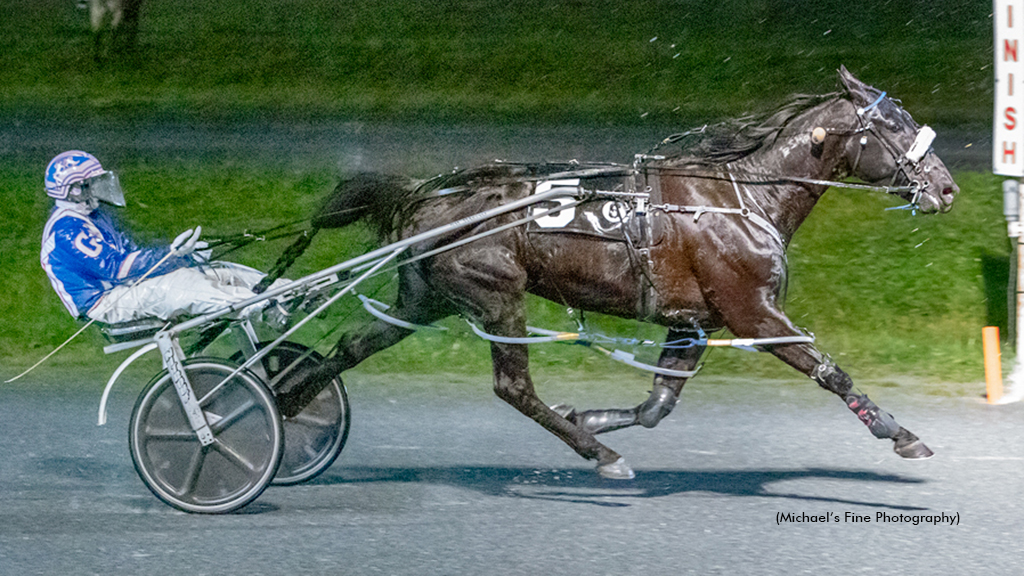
768 179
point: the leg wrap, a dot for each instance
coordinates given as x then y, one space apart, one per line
658 405
880 422
648 414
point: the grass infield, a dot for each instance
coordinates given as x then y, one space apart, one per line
885 292
525 61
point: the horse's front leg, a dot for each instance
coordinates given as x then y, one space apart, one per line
662 399
831 377
760 318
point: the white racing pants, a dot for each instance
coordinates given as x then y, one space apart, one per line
182 292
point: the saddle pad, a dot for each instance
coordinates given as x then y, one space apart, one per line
604 218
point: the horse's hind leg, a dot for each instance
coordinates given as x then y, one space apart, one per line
352 348
414 305
512 383
488 285
658 405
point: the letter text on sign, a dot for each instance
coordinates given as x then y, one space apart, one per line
1008 19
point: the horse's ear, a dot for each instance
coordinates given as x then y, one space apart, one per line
859 91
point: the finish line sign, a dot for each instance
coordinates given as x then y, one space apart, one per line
1008 131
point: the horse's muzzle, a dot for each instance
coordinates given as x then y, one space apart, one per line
947 196
942 202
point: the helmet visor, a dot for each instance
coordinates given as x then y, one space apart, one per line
105 188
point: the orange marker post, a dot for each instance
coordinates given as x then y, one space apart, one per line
993 365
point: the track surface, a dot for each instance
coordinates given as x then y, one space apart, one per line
438 481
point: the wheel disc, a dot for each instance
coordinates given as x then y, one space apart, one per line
314 437
225 475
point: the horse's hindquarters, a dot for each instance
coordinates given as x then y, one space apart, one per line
584 272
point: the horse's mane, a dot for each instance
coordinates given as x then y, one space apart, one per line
389 202
734 139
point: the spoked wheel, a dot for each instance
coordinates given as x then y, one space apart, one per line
233 470
314 437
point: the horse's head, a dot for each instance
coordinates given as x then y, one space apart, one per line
888 148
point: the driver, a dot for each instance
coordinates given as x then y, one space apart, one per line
96 268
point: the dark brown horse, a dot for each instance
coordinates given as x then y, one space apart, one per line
708 252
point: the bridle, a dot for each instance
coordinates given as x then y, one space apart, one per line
907 163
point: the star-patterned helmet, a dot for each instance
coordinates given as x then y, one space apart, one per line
77 176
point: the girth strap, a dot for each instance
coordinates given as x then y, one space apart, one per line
648 182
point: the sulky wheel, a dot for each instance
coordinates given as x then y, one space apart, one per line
233 470
314 437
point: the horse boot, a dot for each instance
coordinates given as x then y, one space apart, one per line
881 424
599 421
658 405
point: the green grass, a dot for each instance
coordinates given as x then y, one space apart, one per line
886 293
535 60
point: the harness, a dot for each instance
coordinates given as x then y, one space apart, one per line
642 185
698 211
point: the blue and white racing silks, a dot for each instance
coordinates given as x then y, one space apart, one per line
85 255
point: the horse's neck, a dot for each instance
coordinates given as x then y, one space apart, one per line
792 155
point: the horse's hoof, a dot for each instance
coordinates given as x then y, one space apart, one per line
910 446
617 470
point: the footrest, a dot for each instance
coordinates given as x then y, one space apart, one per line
133 330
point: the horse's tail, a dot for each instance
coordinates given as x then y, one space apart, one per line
377 198
374 197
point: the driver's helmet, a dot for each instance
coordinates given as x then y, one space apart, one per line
77 176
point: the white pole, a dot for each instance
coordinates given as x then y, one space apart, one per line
1008 151
1013 193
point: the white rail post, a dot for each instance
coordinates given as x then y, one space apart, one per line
1008 150
1013 199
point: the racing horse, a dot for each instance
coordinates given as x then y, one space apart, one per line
114 25
104 20
722 213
